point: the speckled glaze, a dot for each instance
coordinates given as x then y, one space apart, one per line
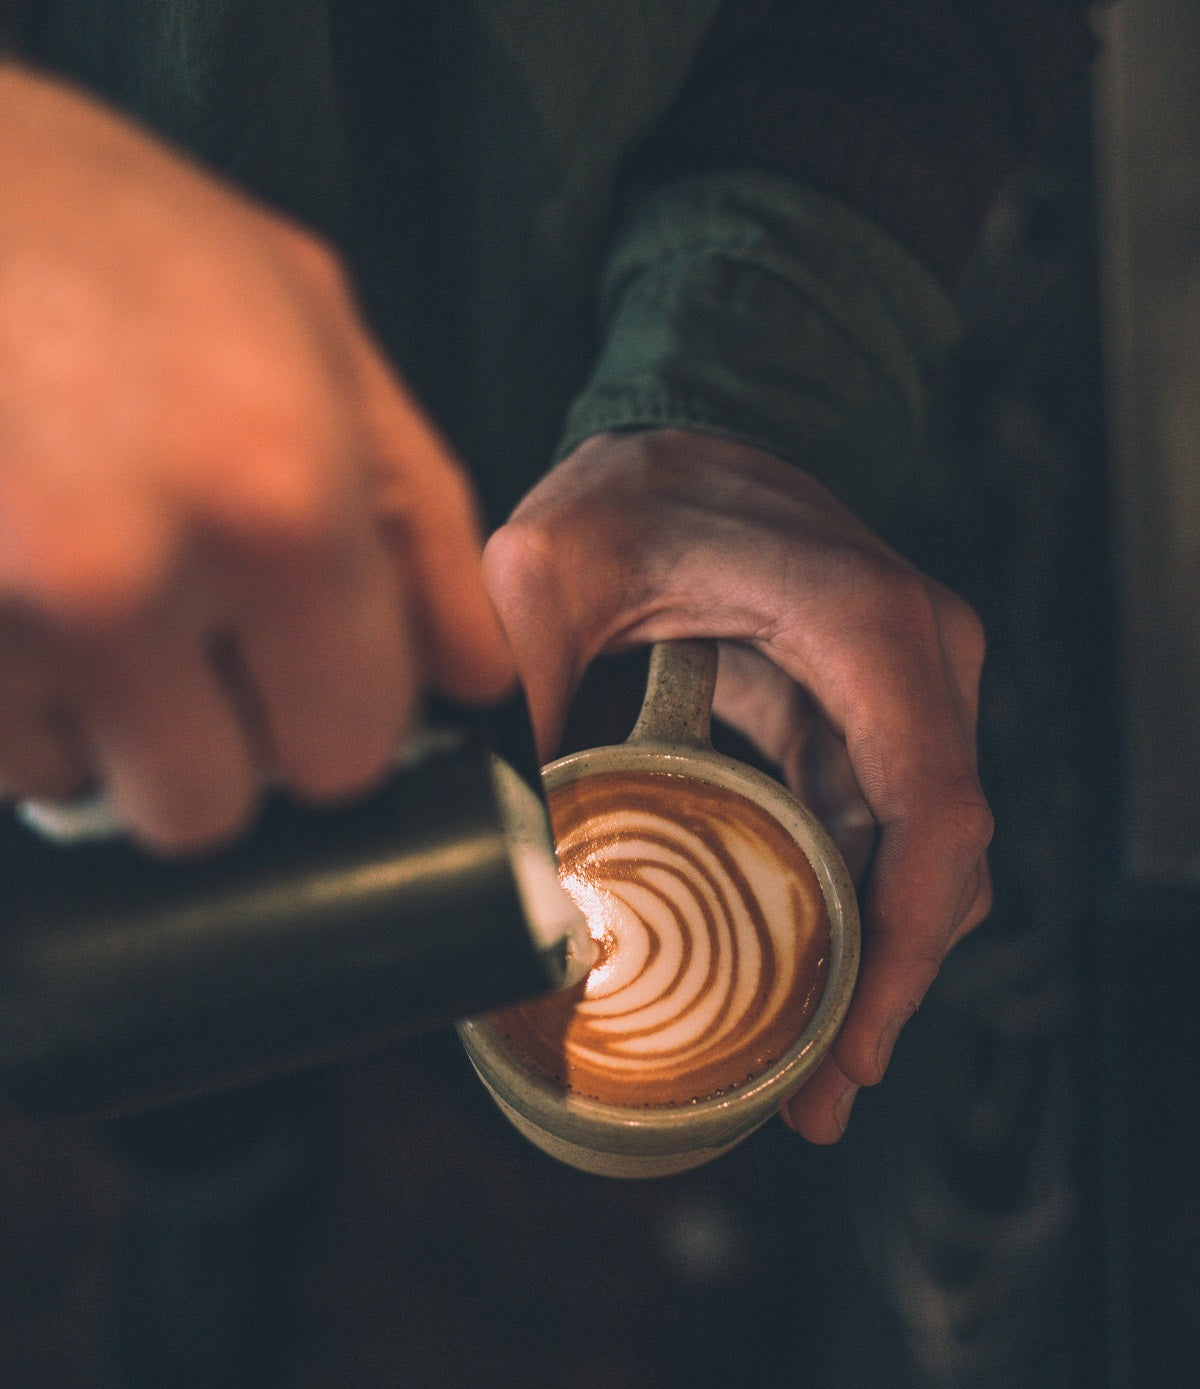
672 735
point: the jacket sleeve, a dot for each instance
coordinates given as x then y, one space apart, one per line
795 226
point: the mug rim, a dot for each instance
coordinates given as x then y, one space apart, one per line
629 1129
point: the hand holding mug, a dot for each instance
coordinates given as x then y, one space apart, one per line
831 643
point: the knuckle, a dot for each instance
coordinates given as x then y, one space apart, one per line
279 458
967 819
899 595
901 586
284 496
285 499
966 637
908 601
317 260
538 597
81 581
520 557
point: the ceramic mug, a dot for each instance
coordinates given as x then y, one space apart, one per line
608 1131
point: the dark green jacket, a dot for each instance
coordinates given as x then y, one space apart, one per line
567 216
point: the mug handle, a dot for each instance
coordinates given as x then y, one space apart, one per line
677 707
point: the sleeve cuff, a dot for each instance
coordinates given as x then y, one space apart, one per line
748 306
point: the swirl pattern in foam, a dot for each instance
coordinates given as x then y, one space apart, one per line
713 942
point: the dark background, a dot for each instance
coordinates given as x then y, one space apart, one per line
1016 1206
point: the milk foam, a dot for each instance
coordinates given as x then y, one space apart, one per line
712 936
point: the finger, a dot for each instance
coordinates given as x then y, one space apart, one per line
326 665
286 566
41 757
964 647
904 735
170 750
838 802
976 904
820 1110
79 540
766 705
925 868
41 752
425 508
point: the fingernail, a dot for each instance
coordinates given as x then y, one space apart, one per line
845 1103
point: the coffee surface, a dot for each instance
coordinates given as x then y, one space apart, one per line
712 935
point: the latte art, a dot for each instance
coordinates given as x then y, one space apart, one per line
712 935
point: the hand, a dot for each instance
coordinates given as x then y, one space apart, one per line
230 542
856 674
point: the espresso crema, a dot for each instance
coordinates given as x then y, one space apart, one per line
712 936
